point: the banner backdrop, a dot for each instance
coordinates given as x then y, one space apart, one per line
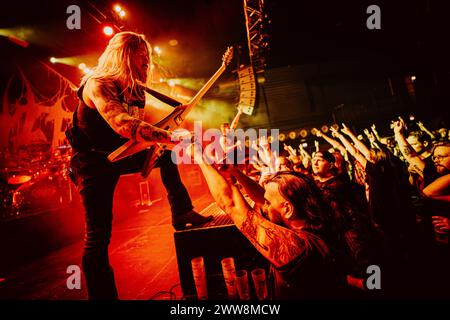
31 114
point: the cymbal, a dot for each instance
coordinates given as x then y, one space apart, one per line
18 179
64 147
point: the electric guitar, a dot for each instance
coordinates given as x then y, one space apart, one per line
170 122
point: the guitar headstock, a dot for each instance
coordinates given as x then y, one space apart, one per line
227 56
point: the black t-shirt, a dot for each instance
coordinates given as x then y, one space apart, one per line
429 172
389 200
314 274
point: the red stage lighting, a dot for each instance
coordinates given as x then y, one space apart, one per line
108 31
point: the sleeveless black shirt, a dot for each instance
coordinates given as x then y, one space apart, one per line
96 131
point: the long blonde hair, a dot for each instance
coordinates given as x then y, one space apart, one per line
115 62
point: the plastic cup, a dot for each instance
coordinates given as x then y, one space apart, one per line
242 285
229 274
198 271
259 281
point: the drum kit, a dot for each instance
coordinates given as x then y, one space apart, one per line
34 179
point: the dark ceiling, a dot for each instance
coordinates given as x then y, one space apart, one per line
300 31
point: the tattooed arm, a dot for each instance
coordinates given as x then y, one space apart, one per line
405 148
253 189
277 244
104 96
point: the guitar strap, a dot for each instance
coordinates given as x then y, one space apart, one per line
163 98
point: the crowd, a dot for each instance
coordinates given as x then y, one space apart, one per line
323 218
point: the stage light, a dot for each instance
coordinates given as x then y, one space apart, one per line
53 60
335 126
413 78
87 70
282 137
314 131
324 129
292 135
108 31
122 13
303 133
117 8
82 66
411 117
173 42
171 82
157 50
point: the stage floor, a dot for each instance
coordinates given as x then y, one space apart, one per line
142 253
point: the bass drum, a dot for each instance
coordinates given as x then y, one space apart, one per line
38 195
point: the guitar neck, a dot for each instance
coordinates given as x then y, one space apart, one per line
205 88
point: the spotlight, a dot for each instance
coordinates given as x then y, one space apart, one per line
108 31
82 66
118 8
411 117
324 129
282 137
304 133
413 78
53 60
292 135
122 13
87 70
157 50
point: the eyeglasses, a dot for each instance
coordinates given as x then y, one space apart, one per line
439 158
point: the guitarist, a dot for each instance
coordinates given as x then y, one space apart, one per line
109 114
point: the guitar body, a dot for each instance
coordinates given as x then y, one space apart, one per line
169 123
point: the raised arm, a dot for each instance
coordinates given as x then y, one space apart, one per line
375 132
405 148
350 148
104 96
424 129
235 121
334 143
254 190
439 189
277 244
361 147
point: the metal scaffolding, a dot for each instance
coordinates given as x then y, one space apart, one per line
258 42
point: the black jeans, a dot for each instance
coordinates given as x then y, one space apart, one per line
96 179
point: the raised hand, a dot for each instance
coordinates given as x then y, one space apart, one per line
317 132
335 132
399 126
345 129
366 132
374 128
